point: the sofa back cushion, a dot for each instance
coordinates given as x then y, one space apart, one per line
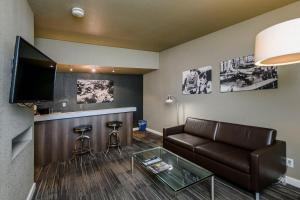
200 127
247 137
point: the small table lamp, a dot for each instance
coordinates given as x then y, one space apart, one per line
278 44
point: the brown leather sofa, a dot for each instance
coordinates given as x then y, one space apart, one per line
248 156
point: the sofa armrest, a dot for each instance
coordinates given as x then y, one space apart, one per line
172 130
267 165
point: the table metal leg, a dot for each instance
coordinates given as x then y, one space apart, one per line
257 196
132 163
212 188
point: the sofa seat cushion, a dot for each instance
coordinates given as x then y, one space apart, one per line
232 156
186 140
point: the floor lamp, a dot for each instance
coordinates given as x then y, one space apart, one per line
170 100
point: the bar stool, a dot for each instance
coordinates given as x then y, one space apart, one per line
113 136
82 144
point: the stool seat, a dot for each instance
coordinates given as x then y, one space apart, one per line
82 128
114 124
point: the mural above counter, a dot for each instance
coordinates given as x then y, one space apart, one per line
95 91
241 74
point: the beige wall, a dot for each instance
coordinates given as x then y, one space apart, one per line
16 175
277 108
64 52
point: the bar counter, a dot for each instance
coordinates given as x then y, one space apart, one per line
54 137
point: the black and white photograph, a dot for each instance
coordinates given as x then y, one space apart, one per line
241 74
197 81
95 91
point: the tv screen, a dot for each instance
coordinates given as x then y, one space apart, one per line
33 74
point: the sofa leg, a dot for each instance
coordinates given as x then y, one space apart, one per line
257 196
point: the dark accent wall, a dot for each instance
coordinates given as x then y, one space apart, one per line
128 92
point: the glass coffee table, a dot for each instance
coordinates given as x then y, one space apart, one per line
180 173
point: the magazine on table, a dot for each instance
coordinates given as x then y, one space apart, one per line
159 167
151 160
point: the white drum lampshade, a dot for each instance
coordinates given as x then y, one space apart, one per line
278 44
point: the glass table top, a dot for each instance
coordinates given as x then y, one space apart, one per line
181 174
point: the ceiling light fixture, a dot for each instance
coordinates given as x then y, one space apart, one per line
279 44
78 12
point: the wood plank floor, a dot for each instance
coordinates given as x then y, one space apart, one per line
110 178
148 138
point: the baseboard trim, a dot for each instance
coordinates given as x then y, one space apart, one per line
292 181
31 192
154 131
149 130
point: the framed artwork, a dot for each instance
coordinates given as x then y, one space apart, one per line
95 91
241 74
197 81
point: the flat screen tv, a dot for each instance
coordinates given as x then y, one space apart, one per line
33 74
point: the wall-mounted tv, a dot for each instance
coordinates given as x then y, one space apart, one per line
33 74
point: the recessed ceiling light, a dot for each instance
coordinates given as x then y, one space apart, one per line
93 70
78 12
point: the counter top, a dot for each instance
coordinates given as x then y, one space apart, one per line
86 113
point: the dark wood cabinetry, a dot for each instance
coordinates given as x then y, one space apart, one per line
54 139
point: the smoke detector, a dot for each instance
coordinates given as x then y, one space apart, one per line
78 12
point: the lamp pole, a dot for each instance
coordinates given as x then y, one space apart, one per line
170 100
177 112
